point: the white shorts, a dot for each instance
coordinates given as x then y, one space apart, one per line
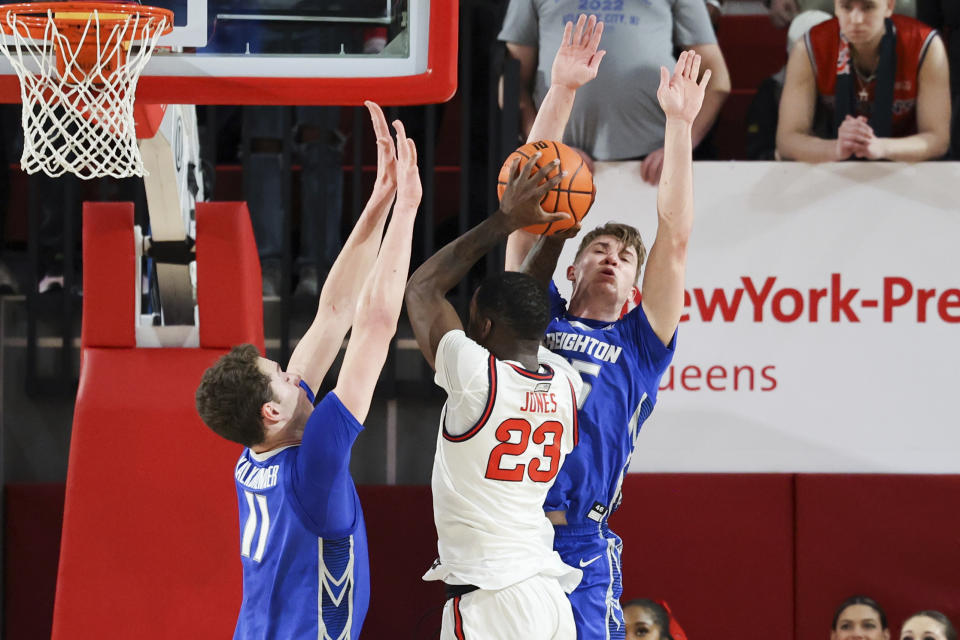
535 609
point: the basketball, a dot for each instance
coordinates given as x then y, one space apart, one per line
574 194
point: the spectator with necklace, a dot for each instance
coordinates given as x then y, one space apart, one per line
882 80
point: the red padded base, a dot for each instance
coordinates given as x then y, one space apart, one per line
893 538
719 548
150 521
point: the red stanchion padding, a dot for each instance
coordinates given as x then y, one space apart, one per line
891 537
150 545
717 547
229 287
109 275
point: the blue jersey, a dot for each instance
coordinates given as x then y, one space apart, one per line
303 543
621 364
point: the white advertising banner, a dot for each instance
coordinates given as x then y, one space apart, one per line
822 327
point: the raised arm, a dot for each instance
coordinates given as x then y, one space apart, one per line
319 346
716 94
430 314
375 320
541 261
575 64
681 98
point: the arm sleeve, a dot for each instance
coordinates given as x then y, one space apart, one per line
558 306
521 24
325 496
462 366
691 23
655 355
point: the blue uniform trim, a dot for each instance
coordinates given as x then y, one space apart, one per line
310 395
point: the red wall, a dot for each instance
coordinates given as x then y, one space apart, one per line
736 556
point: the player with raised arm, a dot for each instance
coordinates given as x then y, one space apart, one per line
302 537
508 423
621 360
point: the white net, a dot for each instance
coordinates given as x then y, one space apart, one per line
78 89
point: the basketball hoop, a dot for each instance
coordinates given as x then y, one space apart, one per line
78 64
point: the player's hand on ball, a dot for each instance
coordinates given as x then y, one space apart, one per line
680 95
409 190
521 198
577 59
386 182
567 234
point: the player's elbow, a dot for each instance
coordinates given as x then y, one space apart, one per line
417 289
673 238
378 310
375 321
677 243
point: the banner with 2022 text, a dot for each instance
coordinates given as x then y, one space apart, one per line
821 331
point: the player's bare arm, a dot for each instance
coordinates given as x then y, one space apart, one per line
541 260
680 97
319 346
430 314
576 63
378 307
716 94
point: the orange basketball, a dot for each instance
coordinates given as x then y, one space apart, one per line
574 194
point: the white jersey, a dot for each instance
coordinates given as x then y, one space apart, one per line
504 433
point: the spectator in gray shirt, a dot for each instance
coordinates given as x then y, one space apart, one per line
617 116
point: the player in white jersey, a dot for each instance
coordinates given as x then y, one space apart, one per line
508 423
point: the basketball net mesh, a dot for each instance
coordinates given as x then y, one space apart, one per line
79 119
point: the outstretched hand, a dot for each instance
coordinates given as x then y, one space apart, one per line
386 182
681 96
577 59
521 198
409 189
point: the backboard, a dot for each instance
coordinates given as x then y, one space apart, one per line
334 52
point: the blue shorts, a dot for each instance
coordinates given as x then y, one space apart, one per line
596 601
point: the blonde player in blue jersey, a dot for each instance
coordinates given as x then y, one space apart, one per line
302 538
621 360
